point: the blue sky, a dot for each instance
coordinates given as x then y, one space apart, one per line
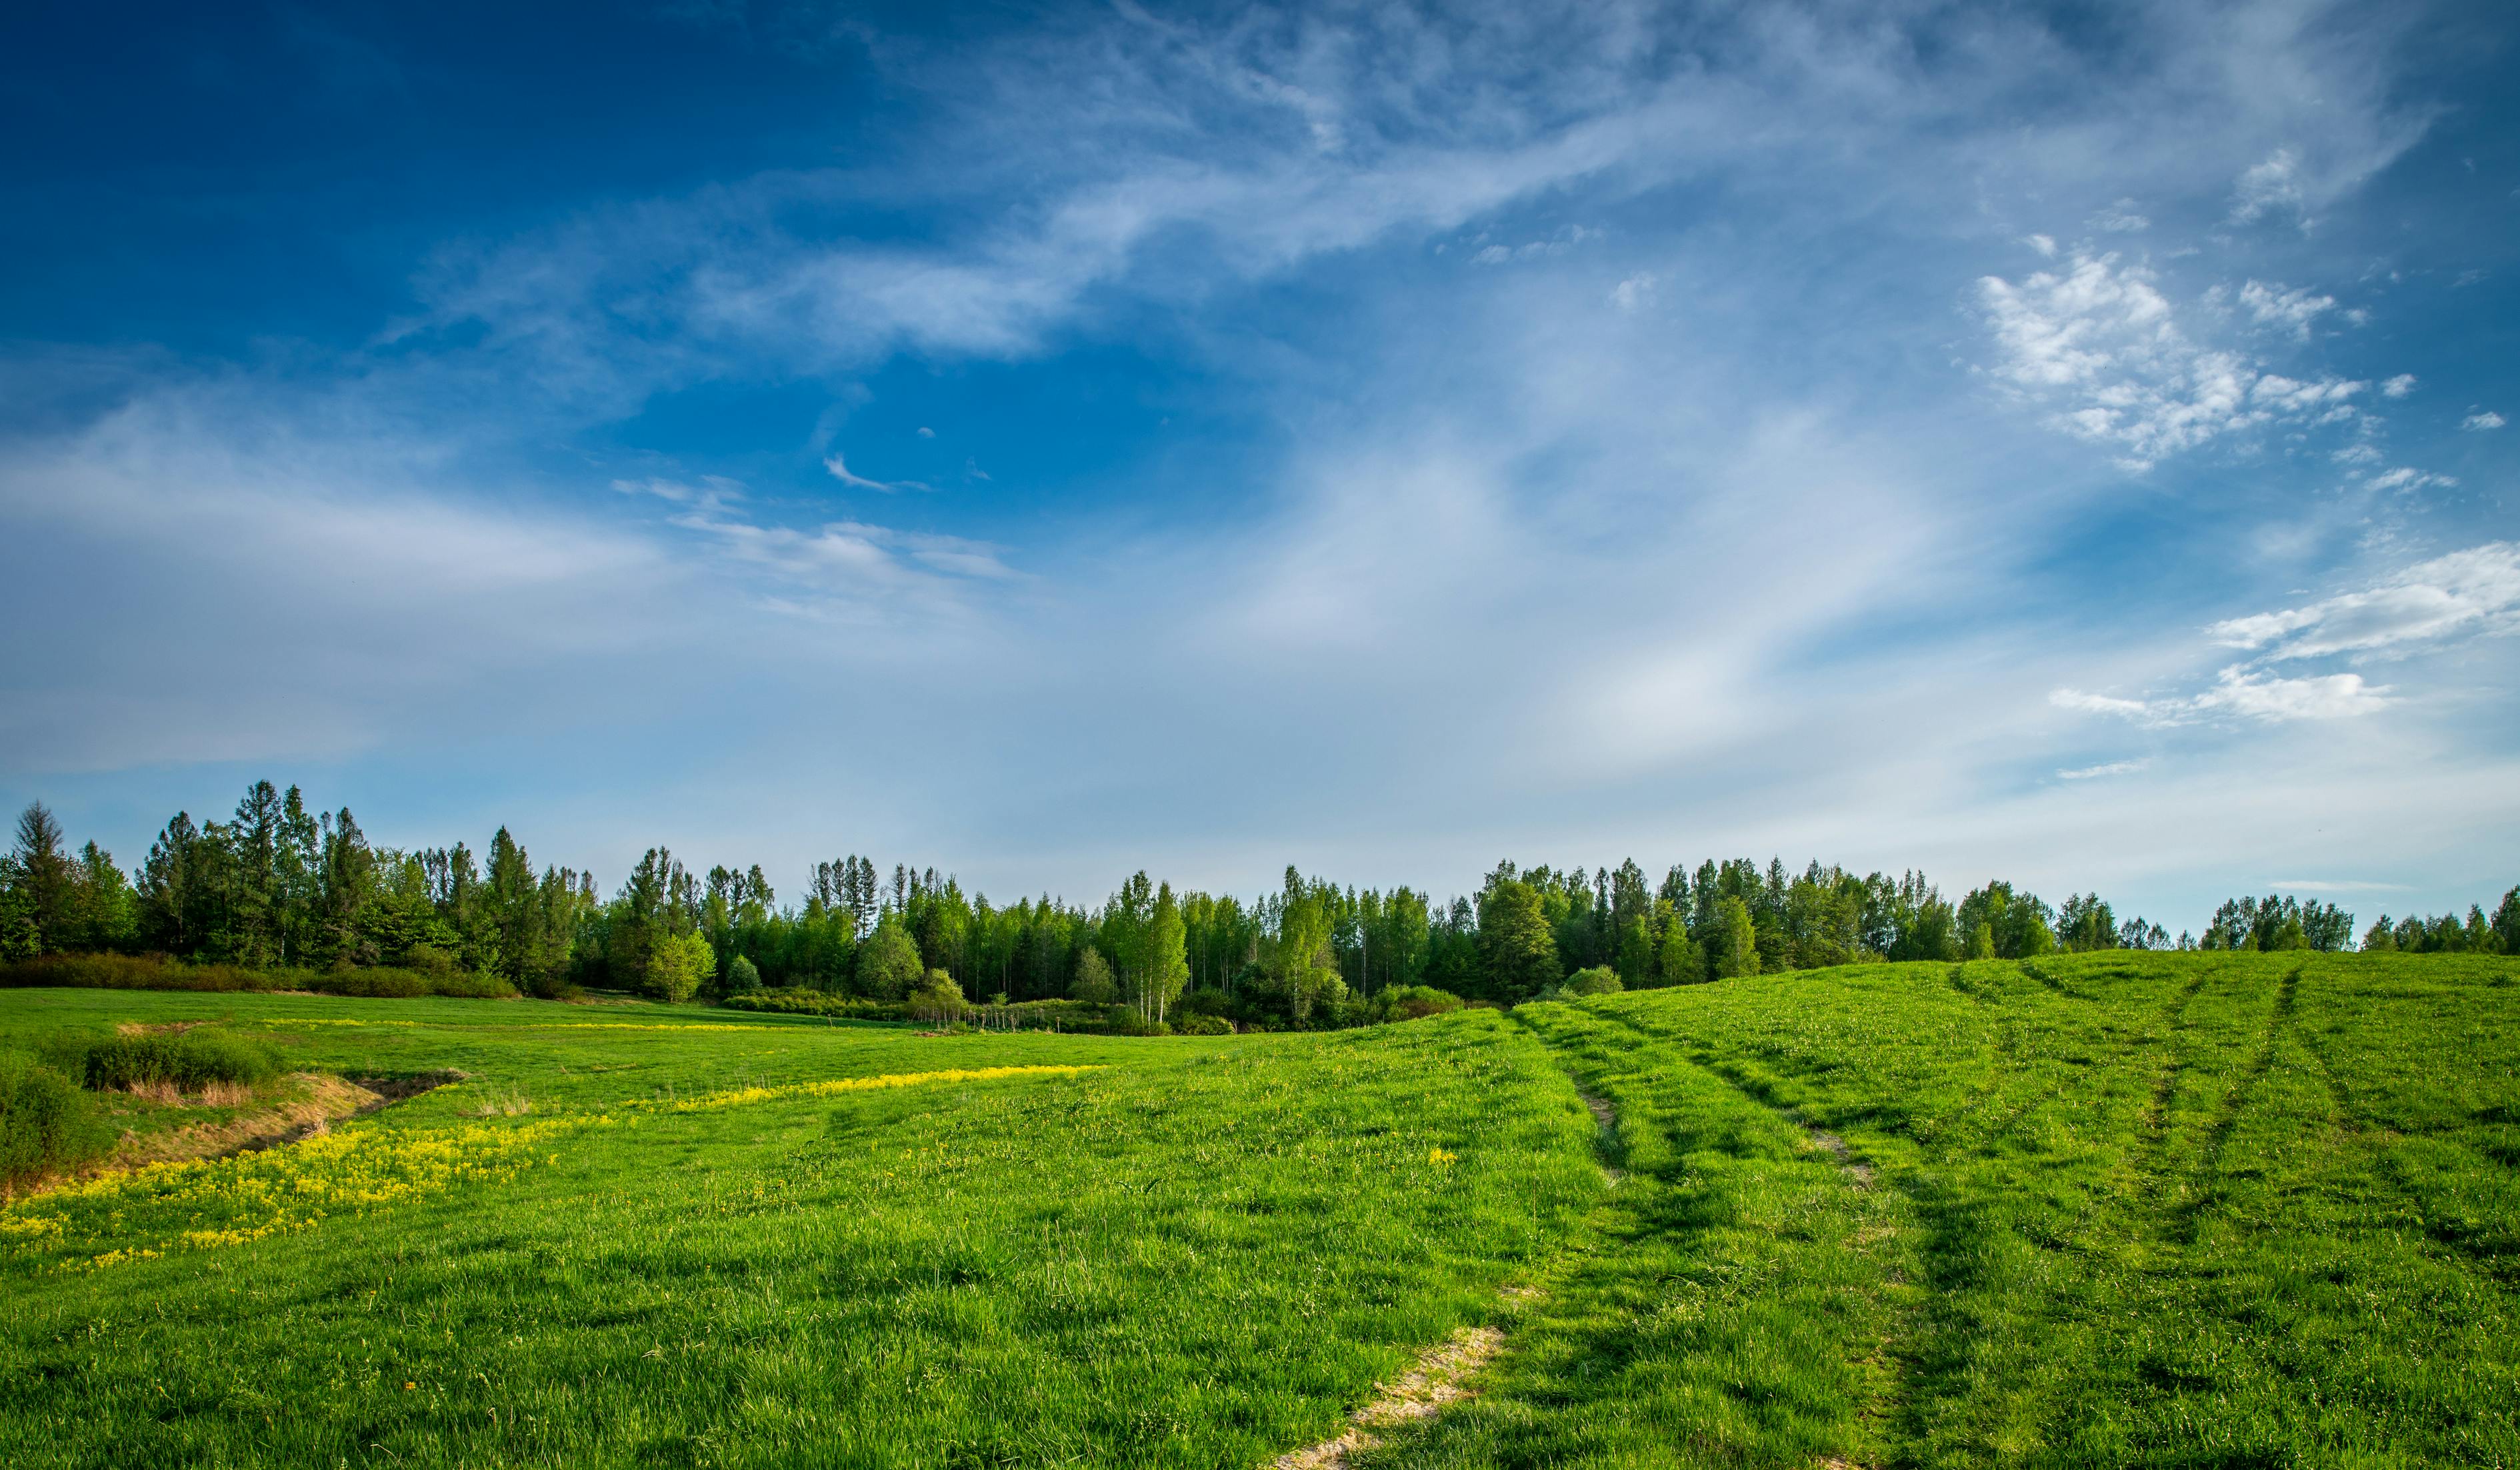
2062 444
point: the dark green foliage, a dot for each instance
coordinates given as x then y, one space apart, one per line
47 1125
2278 923
158 972
814 1003
2448 934
187 1060
1516 940
1600 980
1414 1002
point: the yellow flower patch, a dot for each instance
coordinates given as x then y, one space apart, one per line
208 1204
743 1097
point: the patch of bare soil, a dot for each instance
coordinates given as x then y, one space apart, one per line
154 1028
1437 1379
1607 1118
385 1090
1861 1172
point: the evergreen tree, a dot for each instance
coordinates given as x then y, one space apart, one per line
42 874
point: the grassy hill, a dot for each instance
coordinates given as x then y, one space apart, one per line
2115 1209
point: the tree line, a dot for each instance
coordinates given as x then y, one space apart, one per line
279 886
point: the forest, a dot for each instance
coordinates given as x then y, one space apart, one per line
278 888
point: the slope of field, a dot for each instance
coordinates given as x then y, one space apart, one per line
2112 1210
2115 1209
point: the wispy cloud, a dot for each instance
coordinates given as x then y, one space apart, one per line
2106 769
2481 421
2466 593
2238 692
2269 186
837 468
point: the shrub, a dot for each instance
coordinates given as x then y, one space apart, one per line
46 1122
1600 980
743 977
1194 1023
1125 1021
937 999
186 1060
129 972
429 960
158 972
814 1003
1411 1002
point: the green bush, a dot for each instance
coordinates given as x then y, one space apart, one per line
158 972
390 983
46 1122
1600 980
1410 1002
1121 1020
1197 1024
937 999
743 976
814 1003
129 972
186 1060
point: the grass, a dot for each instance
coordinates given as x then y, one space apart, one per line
2113 1210
2105 1210
1196 1253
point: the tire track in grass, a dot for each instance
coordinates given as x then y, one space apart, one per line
2204 1191
1445 1374
2482 1258
1883 1360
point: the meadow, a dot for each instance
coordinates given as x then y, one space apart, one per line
2117 1207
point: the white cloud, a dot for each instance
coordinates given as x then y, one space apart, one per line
2121 218
2044 244
2405 480
1536 249
2399 387
925 432
2098 704
2101 339
2266 697
2095 772
2236 691
2270 185
1637 290
2470 593
2477 423
839 468
2288 309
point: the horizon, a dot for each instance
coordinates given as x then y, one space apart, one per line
2009 444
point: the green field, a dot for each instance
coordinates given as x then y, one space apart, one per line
2109 1209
